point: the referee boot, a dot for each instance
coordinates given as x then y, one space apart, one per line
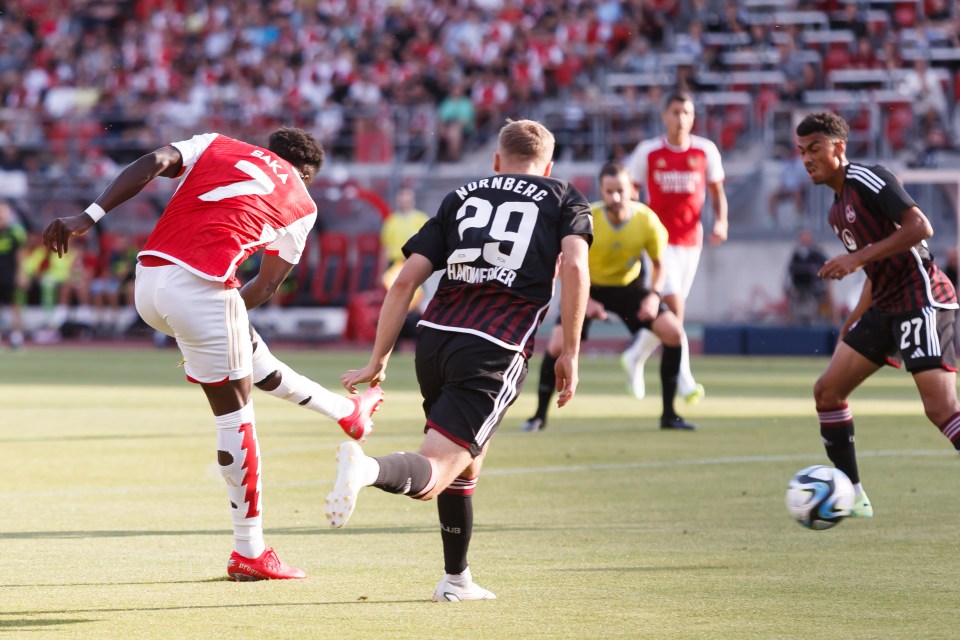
676 423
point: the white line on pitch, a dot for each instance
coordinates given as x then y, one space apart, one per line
212 472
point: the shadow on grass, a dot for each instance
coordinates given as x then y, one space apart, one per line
9 625
202 607
669 568
110 584
288 531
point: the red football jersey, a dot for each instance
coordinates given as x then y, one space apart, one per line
676 179
234 198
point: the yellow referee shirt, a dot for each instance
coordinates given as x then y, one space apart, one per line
397 229
616 251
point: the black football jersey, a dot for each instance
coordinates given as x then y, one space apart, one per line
497 241
867 210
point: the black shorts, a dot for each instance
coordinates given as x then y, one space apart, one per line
467 384
623 302
921 339
7 290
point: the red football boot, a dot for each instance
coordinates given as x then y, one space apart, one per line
359 424
267 567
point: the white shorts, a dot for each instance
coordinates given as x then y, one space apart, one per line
209 322
680 264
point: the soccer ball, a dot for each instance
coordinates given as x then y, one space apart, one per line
819 497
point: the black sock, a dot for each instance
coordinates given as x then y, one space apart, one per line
548 384
406 473
669 370
838 441
456 528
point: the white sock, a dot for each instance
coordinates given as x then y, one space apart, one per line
237 447
685 382
297 388
461 578
646 343
857 489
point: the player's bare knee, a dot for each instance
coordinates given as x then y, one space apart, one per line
825 395
940 412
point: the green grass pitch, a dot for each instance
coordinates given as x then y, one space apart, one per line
115 523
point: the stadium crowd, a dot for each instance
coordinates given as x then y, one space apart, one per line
361 73
88 85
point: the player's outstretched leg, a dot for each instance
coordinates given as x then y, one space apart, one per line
406 473
279 380
354 472
460 588
359 424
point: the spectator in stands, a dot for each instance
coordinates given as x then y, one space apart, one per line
850 18
74 272
13 240
457 116
808 296
111 290
921 85
864 54
792 181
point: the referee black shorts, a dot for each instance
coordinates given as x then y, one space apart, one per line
467 383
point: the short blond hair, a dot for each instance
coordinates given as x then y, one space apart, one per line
526 140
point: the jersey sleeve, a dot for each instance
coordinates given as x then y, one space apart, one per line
637 162
891 199
577 219
656 234
714 172
290 245
192 149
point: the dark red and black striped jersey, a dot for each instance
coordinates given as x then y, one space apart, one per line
867 210
497 241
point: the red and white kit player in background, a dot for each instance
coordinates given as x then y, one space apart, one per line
234 199
675 171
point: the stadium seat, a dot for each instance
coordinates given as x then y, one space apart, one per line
329 285
837 57
367 264
899 124
296 289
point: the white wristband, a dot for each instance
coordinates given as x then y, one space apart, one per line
95 211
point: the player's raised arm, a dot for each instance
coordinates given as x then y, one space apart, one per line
165 161
414 273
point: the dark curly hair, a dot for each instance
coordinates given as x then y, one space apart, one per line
297 147
829 124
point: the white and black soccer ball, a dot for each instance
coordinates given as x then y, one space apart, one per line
819 497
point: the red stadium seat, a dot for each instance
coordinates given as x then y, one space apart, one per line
899 124
367 264
837 57
297 289
329 285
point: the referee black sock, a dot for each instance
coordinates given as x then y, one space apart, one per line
456 528
837 433
548 384
407 473
669 371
